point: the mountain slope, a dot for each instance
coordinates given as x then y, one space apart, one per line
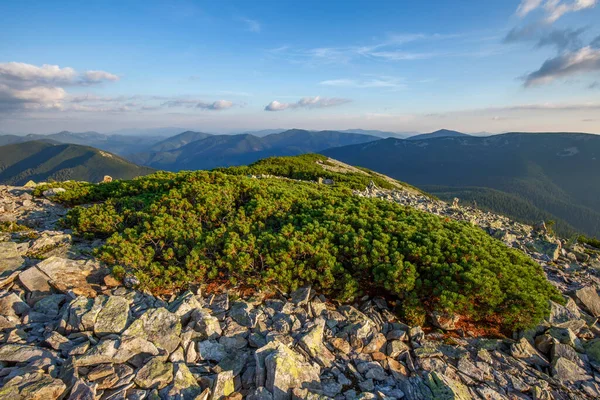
555 172
119 144
231 150
438 134
43 160
177 141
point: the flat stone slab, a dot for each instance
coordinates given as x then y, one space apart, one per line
35 280
10 259
66 274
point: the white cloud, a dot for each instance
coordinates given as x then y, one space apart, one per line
554 8
99 76
527 6
586 59
26 86
379 82
193 103
307 102
216 106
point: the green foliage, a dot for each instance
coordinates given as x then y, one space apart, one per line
305 168
175 229
11 227
589 241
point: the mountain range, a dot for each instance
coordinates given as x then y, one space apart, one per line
118 144
530 176
44 160
527 176
211 151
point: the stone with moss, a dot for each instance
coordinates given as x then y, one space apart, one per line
155 374
159 326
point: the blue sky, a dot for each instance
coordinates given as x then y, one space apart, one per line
229 66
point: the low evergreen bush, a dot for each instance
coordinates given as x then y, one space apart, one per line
174 229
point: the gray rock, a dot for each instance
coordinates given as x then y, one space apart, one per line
312 343
68 275
155 374
223 385
396 347
35 280
260 393
33 386
590 300
525 351
20 353
113 317
241 313
184 305
567 371
184 384
207 325
444 388
83 391
301 296
10 259
286 370
159 326
211 350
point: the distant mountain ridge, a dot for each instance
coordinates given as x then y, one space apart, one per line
41 160
557 173
118 144
212 151
438 134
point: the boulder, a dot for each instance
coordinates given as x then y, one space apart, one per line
21 353
525 351
549 249
35 281
567 371
211 350
10 258
159 326
68 275
588 297
83 391
286 370
184 384
154 374
184 305
301 296
223 385
33 386
113 317
207 325
312 343
445 388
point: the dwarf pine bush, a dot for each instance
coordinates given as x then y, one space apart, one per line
174 229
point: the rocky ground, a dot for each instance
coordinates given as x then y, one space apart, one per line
69 330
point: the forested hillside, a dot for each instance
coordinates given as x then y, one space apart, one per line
556 174
44 160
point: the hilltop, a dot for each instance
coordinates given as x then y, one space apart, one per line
47 160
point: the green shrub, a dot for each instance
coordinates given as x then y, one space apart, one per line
175 229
